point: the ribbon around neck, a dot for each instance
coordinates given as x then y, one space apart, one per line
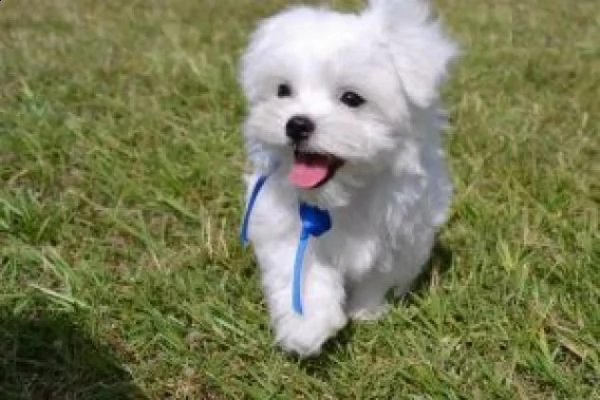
257 187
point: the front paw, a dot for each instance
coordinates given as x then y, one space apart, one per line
305 334
368 313
367 304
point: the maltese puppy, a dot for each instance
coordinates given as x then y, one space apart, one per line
344 120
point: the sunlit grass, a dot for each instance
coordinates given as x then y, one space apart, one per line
120 269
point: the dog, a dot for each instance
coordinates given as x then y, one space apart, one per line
344 115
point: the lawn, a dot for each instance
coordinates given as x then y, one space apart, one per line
121 275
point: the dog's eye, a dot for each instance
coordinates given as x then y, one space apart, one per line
352 99
284 90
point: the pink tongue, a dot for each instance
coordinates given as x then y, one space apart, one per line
308 175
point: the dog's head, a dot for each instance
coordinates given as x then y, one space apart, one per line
332 95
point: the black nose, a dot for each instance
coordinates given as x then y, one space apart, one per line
299 128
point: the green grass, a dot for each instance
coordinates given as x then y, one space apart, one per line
120 157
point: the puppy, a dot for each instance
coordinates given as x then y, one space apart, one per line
344 115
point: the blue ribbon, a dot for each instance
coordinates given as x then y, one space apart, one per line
257 186
315 222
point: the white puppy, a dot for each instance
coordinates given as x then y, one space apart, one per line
345 115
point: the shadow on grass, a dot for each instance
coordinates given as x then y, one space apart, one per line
439 262
52 358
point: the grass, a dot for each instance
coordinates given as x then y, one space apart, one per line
120 271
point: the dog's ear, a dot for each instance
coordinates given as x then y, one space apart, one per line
420 50
250 64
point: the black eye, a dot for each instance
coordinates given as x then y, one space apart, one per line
284 90
352 99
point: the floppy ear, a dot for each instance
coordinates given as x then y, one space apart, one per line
250 65
420 50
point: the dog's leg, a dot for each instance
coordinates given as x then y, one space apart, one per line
323 298
366 298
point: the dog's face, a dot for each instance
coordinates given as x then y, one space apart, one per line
328 94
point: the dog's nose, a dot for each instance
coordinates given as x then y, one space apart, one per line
299 128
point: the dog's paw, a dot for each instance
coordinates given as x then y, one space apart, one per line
368 313
305 334
367 303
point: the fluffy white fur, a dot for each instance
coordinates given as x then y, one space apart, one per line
393 190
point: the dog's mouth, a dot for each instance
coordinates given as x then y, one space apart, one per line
312 170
